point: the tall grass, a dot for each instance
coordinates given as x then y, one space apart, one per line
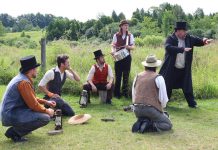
204 72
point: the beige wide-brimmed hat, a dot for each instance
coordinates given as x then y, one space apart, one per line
79 119
151 61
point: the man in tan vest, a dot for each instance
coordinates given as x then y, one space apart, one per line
149 98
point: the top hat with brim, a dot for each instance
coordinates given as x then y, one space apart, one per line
123 22
98 53
151 61
181 25
28 63
79 119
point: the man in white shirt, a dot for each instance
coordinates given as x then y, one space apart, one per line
53 80
97 77
149 97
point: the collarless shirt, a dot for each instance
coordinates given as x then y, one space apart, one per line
180 58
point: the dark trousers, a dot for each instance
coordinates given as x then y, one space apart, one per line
21 129
179 78
122 69
159 120
63 105
99 86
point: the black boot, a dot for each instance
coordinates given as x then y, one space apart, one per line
10 133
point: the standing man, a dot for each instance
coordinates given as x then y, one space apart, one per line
21 109
97 77
149 98
53 80
122 41
176 68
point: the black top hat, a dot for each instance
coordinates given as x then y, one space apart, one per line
98 53
181 25
123 22
27 63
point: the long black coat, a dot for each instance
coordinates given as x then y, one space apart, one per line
171 50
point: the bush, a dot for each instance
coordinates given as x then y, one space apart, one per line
154 41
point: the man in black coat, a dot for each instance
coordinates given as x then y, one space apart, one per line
176 68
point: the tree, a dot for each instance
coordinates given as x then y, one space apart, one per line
7 20
115 17
2 29
199 13
168 22
122 16
148 27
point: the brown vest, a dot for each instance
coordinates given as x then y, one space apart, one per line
146 91
100 76
121 41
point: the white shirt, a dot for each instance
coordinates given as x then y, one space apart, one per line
92 72
163 98
49 75
180 58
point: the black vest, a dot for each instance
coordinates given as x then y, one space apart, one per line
56 84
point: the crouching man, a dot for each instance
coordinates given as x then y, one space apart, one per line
97 77
149 98
21 110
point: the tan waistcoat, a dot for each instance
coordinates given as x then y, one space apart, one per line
146 91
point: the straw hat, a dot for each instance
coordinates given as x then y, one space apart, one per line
151 61
79 119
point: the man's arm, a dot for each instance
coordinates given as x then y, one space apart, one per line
30 99
71 74
163 98
90 77
171 49
111 77
133 90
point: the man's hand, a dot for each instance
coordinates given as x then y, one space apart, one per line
207 41
108 86
50 112
94 89
51 103
55 96
187 49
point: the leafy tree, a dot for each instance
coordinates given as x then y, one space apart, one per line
7 20
199 13
115 17
122 16
168 22
2 29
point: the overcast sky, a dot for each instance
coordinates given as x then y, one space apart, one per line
89 9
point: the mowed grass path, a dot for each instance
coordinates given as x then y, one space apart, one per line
193 129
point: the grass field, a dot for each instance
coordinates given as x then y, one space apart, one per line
193 129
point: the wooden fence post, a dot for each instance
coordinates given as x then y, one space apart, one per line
43 54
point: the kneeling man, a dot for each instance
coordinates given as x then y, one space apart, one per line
149 98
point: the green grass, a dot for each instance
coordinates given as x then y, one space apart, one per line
192 129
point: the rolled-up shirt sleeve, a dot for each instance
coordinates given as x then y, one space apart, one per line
29 97
110 72
163 98
133 90
49 75
132 40
91 73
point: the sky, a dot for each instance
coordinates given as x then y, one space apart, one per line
83 10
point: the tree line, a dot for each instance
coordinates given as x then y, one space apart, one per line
154 21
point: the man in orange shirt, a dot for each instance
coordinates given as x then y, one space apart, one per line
21 109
